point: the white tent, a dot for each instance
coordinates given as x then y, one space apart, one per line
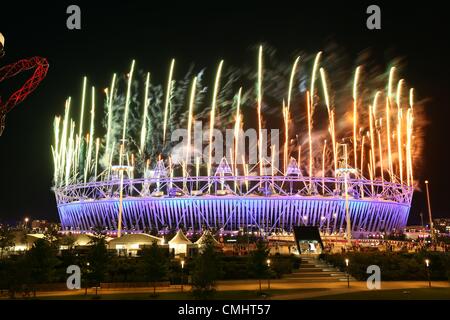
82 240
23 241
179 243
207 234
133 241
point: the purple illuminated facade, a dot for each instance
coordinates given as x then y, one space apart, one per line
230 203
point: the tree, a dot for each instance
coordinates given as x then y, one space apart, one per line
97 259
68 241
14 274
258 261
52 236
154 264
206 270
41 261
6 238
281 265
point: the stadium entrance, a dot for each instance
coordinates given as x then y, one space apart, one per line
308 240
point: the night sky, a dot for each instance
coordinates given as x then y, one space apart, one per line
113 33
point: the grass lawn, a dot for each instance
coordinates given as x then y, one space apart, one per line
219 295
399 294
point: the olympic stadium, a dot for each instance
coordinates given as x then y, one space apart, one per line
102 180
82 207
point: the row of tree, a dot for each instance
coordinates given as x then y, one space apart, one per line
395 266
44 263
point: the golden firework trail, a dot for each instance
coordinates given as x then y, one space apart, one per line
97 149
69 155
144 115
90 139
355 116
371 170
399 94
410 133
190 120
110 116
286 136
259 106
291 82
63 152
313 77
127 101
408 147
388 138
213 114
237 128
286 112
399 146
167 101
330 117
362 153
399 128
372 135
308 108
83 99
380 148
411 98
55 148
391 83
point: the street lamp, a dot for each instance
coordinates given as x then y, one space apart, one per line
86 284
348 275
26 222
427 263
182 274
268 274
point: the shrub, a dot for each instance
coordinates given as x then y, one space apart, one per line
394 266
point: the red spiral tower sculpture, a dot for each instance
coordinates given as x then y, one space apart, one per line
40 66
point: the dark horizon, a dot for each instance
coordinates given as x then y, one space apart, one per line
114 33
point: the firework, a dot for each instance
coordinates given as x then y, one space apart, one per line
110 117
259 101
190 120
355 116
168 95
144 115
213 114
127 102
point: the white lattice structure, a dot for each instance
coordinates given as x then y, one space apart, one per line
229 203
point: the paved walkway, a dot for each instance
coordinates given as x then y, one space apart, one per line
311 289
